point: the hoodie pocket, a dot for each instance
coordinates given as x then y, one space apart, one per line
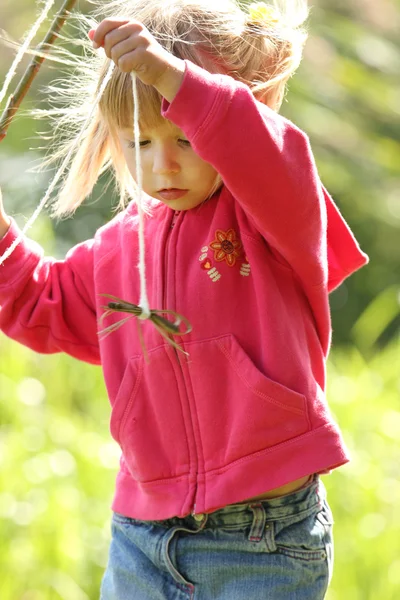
147 419
239 409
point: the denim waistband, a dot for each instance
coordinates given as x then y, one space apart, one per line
297 503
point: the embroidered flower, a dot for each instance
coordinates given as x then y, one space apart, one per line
226 246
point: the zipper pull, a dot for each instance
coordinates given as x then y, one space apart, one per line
174 218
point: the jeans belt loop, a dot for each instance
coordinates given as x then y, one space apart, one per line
258 525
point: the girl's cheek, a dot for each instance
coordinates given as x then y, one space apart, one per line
131 164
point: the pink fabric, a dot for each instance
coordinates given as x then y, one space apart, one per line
244 411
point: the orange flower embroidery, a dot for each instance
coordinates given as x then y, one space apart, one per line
226 246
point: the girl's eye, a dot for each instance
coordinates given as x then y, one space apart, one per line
141 144
144 143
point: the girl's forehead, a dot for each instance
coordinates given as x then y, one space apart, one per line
163 129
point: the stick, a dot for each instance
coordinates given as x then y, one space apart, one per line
16 98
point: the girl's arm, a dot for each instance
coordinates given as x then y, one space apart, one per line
267 164
264 160
47 304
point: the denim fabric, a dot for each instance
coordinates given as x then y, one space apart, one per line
280 549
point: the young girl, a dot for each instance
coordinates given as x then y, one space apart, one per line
219 495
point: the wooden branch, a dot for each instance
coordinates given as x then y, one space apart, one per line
17 97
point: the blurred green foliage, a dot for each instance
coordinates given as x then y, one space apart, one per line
57 459
58 463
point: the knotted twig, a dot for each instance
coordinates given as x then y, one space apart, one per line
163 325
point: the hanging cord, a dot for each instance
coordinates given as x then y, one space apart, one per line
60 171
144 302
24 48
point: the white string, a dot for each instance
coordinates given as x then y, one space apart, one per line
24 48
143 302
61 170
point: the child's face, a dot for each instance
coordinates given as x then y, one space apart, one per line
172 171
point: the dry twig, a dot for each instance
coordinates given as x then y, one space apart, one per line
163 325
32 70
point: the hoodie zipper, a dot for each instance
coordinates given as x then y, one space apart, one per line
166 251
174 218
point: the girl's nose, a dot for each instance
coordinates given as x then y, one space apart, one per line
165 162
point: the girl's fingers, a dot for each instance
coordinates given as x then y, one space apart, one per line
113 40
104 28
132 48
123 55
91 38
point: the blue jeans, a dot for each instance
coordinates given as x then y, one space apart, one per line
279 549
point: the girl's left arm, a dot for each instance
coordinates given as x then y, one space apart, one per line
267 164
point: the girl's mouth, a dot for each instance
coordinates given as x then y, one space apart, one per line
172 193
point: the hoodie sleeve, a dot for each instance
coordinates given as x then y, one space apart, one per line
267 164
46 304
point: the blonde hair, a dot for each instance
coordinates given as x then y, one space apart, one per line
221 36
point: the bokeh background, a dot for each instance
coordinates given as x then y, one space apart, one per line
57 459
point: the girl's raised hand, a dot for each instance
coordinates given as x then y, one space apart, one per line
133 48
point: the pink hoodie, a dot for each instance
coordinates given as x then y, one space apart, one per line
245 411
